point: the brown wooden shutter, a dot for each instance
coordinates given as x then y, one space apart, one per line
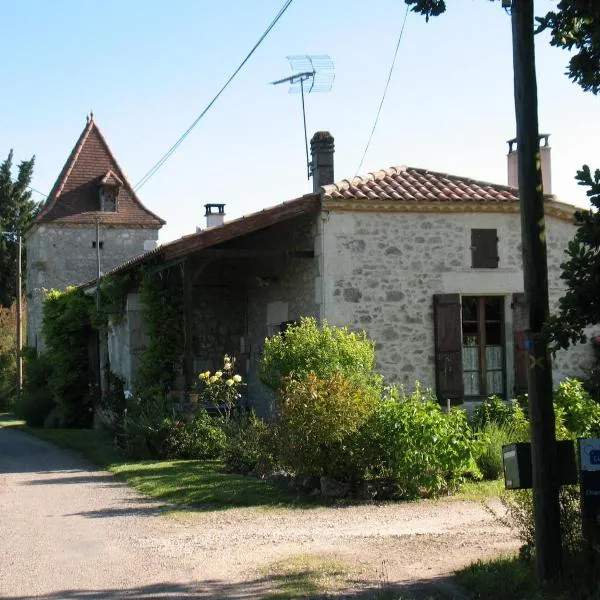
448 348
484 248
520 313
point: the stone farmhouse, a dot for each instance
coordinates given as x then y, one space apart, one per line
90 196
429 264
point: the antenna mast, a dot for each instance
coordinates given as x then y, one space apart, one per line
316 69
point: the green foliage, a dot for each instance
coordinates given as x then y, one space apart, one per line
251 445
319 419
8 361
492 436
307 348
580 306
222 389
413 442
17 210
495 410
161 296
113 298
147 423
519 504
200 438
66 328
574 27
36 401
580 412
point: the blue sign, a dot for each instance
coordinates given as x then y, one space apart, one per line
595 457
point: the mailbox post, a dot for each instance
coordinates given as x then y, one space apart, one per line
589 456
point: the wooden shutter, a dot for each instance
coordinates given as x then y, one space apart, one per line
484 248
448 348
520 314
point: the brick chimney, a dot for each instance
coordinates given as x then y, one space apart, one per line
513 169
321 167
215 215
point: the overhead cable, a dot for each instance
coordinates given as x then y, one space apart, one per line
384 91
176 145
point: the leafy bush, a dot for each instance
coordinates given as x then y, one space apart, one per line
492 436
324 351
495 410
519 504
319 419
147 423
251 446
199 439
581 413
36 401
423 449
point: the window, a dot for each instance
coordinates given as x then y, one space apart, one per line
101 245
484 249
482 345
470 359
108 198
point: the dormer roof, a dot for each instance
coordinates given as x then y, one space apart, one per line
74 199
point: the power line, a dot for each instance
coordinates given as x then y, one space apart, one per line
176 145
37 191
384 91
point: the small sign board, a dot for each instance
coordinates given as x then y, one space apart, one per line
589 456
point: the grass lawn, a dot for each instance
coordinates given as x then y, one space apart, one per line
199 483
512 577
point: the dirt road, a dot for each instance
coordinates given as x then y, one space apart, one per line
69 531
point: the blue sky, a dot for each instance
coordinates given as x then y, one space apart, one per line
148 68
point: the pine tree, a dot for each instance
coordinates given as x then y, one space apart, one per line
17 210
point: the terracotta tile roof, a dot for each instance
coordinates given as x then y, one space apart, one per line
407 184
74 199
207 238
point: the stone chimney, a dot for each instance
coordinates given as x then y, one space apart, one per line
321 166
513 169
215 215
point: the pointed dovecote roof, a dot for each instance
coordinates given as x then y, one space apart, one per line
75 197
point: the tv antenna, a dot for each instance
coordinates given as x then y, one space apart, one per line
313 73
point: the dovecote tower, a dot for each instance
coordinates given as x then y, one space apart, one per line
61 242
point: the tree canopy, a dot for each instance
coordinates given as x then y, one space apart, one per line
575 26
17 210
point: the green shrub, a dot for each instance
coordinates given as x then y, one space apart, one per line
221 390
423 449
147 423
324 351
200 438
495 410
492 436
320 417
581 413
36 401
8 376
251 445
519 504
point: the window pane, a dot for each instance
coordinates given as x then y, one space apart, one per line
471 381
495 383
493 308
471 359
469 308
493 357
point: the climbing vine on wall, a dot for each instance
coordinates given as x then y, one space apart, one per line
113 299
67 328
161 295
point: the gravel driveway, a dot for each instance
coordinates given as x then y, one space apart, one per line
70 531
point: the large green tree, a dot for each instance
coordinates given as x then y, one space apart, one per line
17 210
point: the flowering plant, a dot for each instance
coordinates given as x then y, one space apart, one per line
221 389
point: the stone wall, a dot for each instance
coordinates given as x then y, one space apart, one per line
60 256
381 270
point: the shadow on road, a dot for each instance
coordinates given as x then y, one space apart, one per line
266 588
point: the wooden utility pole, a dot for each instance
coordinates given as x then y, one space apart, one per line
19 312
535 270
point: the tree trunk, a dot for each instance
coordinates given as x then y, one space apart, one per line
533 234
